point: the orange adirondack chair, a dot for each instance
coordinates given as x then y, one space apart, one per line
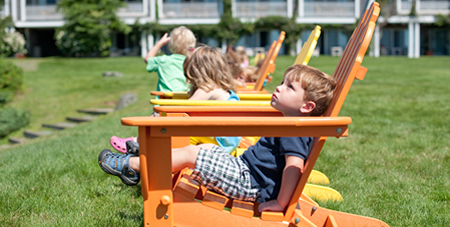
173 200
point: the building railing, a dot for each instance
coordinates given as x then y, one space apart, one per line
260 9
405 6
189 10
136 9
431 7
327 9
49 12
42 13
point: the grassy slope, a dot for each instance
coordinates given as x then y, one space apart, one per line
394 165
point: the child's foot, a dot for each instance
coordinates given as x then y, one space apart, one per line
119 143
118 165
132 148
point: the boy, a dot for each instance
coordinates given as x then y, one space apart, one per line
169 68
267 172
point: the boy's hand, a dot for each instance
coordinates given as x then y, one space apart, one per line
271 205
152 52
164 40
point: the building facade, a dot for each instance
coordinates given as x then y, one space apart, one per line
398 34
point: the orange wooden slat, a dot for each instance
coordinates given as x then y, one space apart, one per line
272 216
242 208
214 200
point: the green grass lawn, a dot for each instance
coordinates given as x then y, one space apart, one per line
393 166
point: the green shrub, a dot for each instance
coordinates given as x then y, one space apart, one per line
12 119
11 81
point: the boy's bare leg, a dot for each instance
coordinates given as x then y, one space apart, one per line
181 157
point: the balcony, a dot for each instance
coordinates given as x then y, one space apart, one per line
433 7
257 9
327 9
424 7
42 13
45 15
136 9
198 12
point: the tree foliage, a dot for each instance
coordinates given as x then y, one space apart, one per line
443 20
88 26
11 81
4 24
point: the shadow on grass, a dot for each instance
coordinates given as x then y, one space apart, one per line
136 217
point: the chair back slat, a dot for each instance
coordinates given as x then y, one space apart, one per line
270 66
344 75
308 47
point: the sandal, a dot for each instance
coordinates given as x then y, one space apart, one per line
119 143
118 165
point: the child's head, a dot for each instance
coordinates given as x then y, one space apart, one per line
233 63
248 74
305 91
207 69
240 51
181 40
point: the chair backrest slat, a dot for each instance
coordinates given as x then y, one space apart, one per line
308 47
269 63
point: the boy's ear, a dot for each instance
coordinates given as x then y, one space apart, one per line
308 107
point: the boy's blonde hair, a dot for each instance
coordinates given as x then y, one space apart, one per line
207 69
319 87
181 40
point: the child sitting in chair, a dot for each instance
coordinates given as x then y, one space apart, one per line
169 68
210 78
267 172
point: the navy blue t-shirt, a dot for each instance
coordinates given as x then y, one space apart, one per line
266 161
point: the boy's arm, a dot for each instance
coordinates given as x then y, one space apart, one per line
291 174
152 52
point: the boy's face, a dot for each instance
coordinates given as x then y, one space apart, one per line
289 99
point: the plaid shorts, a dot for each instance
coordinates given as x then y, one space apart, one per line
225 174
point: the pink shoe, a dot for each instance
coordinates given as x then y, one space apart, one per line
119 143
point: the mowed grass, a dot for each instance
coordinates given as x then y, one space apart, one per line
393 166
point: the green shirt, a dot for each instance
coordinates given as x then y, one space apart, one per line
170 72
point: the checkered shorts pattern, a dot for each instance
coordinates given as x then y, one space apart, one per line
225 174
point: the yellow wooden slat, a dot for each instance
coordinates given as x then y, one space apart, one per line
181 102
309 47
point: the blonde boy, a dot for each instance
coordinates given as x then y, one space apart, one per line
170 67
267 172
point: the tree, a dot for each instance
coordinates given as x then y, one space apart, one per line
88 27
4 24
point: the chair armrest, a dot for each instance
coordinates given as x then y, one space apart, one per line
242 126
195 111
183 102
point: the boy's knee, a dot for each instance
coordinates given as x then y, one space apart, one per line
206 146
192 150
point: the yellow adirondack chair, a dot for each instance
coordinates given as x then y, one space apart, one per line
170 200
